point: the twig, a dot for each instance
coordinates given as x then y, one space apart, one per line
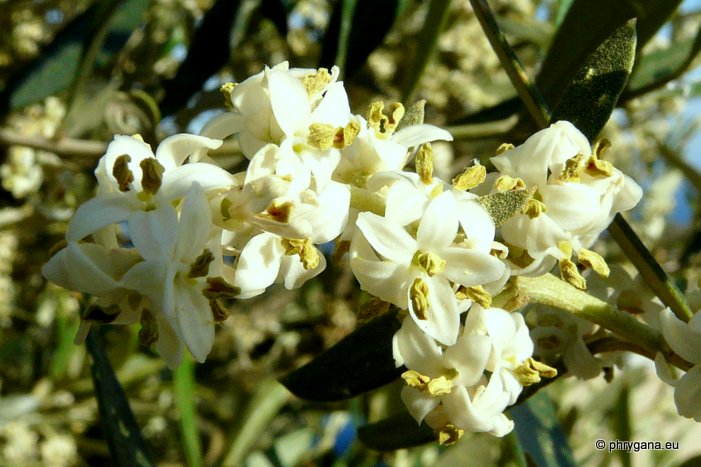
60 147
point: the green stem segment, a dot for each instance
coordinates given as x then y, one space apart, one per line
551 291
184 386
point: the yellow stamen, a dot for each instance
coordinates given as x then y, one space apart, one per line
226 89
429 262
449 434
415 379
571 172
344 136
315 83
148 334
531 371
219 313
477 294
470 177
593 260
418 294
503 147
308 254
534 208
424 163
507 183
280 211
218 287
321 136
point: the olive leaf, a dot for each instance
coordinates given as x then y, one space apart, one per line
360 362
501 206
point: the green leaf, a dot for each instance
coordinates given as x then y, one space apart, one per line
57 67
360 362
398 431
540 433
587 24
435 22
126 444
592 95
184 391
356 28
208 52
661 66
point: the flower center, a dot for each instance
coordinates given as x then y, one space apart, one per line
429 262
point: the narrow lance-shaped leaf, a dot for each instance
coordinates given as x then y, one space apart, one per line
587 24
360 362
127 446
540 433
593 93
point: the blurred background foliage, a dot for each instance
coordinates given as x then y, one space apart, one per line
73 73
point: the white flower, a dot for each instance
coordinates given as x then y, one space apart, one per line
461 364
289 108
268 258
177 253
578 195
684 339
416 273
370 152
132 180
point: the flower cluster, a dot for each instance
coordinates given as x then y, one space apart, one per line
170 234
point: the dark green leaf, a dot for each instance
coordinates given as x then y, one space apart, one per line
356 28
434 24
691 462
276 11
592 95
587 24
360 362
57 66
399 431
621 422
127 446
540 433
208 52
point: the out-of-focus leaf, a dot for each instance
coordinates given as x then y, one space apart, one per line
184 390
691 462
540 433
621 422
127 446
395 432
276 11
55 69
593 93
434 24
360 362
269 398
527 29
356 28
661 66
587 24
207 53
499 111
563 7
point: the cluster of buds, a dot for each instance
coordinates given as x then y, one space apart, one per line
170 234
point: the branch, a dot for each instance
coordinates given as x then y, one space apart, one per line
61 146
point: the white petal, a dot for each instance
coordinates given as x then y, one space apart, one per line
153 233
149 278
97 213
687 394
169 343
439 224
194 227
443 320
258 264
173 151
418 403
418 350
681 337
388 239
195 320
329 219
224 125
293 274
573 206
477 225
469 356
87 268
334 108
419 134
289 101
177 181
471 268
